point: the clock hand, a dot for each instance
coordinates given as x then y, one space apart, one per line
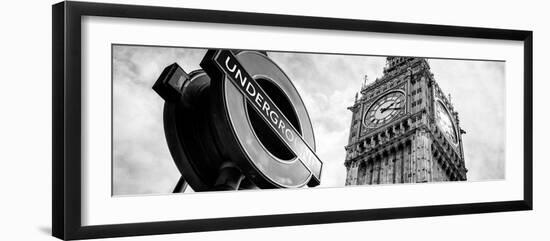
384 109
390 108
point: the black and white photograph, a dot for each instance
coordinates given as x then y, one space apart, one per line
275 120
176 118
195 119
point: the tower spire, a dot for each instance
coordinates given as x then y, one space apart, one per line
382 119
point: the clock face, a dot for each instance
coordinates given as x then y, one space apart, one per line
445 122
385 109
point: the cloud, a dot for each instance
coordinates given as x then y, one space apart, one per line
141 160
327 84
477 90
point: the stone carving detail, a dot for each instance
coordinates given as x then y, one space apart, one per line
410 148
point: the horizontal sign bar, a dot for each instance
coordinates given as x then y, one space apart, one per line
269 111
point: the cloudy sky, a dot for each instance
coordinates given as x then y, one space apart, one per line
327 84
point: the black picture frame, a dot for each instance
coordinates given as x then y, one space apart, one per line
66 127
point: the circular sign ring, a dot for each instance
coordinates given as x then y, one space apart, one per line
266 169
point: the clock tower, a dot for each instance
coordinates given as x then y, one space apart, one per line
404 129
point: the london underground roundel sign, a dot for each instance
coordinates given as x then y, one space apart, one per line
242 111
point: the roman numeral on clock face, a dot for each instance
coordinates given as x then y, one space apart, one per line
384 109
